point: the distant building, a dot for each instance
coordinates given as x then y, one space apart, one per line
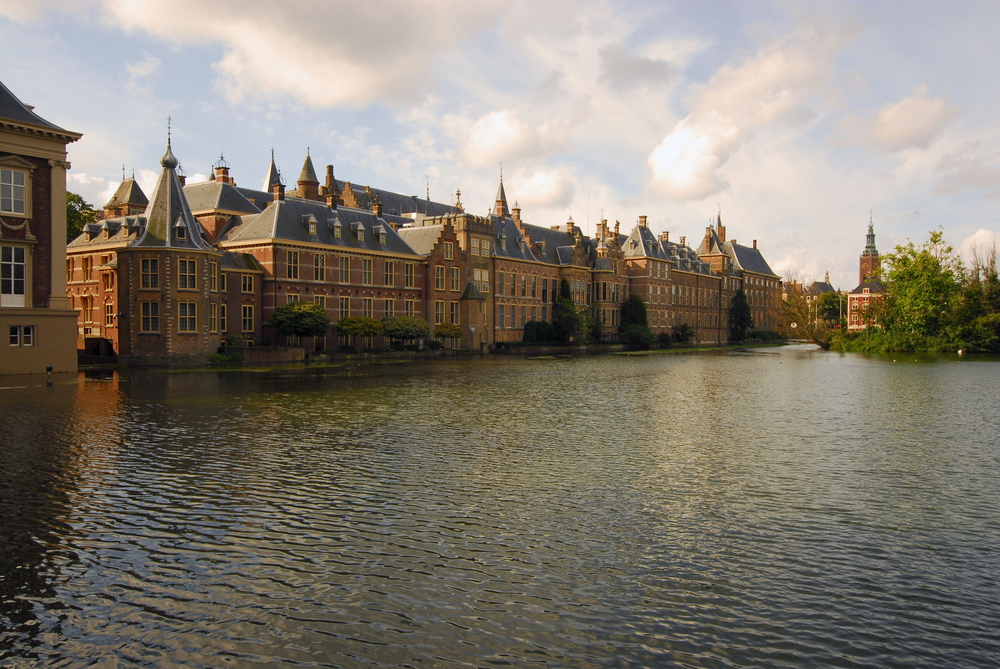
861 300
36 318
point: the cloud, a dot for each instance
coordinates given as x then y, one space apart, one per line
502 136
545 188
968 167
912 123
768 89
140 72
322 54
980 245
621 71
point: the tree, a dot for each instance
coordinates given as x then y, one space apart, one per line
448 331
566 321
358 326
301 319
405 328
634 311
740 318
832 307
919 284
78 214
797 319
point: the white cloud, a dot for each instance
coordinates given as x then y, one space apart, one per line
323 54
770 88
545 188
981 245
912 123
140 72
969 167
621 70
502 136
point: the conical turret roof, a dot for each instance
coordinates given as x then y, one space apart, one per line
308 171
169 222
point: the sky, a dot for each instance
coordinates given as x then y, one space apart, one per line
799 121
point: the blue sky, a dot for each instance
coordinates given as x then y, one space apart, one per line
797 119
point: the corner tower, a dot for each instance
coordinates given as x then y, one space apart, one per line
869 264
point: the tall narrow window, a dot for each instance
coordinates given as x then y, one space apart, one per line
456 278
247 318
366 271
390 273
292 264
449 250
390 308
345 269
187 317
319 267
454 312
186 274
213 276
345 307
12 276
411 308
410 282
439 277
438 312
12 192
224 317
213 317
367 307
150 317
109 314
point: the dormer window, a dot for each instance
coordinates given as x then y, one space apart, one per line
337 230
503 241
181 232
381 235
522 245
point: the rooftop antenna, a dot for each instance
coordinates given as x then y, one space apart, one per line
169 119
123 171
427 180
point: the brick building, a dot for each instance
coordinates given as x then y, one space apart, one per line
869 289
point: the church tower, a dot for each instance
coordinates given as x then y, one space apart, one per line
869 265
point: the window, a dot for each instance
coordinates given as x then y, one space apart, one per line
213 276
213 317
534 313
545 290
449 251
366 271
534 287
247 319
88 264
319 266
292 264
524 317
22 335
12 192
454 312
361 233
222 281
409 275
381 236
345 269
109 314
70 263
390 273
486 247
411 308
186 274
181 232
291 298
456 278
501 317
482 279
438 312
501 283
320 300
224 317
246 283
187 317
337 231
150 317
475 247
12 276
345 307
524 285
439 277
368 307
513 284
390 308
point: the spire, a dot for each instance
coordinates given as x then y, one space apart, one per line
273 177
870 240
308 172
169 222
500 209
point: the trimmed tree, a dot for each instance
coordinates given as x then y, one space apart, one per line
405 328
451 331
301 319
358 326
740 318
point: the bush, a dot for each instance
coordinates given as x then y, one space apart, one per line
664 339
637 337
538 332
435 345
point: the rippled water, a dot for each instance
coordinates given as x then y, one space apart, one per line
778 508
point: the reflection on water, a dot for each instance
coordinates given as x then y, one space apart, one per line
780 507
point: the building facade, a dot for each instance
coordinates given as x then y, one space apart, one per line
861 301
36 317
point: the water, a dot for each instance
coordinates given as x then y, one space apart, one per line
778 508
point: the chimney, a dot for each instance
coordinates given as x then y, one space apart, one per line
642 222
755 243
278 192
683 240
516 214
570 226
616 229
377 207
665 235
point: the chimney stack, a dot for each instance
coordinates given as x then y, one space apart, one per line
755 243
683 240
278 192
642 222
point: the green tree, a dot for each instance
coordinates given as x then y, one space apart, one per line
405 328
798 320
448 331
832 307
78 214
301 319
920 282
358 326
634 311
740 318
566 320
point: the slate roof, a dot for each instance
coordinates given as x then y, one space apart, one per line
507 240
289 219
749 259
308 173
240 261
128 192
642 243
421 238
684 258
397 203
120 232
216 195
820 287
15 111
872 286
169 221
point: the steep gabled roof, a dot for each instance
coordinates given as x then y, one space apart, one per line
15 112
507 241
169 222
749 259
218 196
421 238
128 192
872 286
642 243
396 203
